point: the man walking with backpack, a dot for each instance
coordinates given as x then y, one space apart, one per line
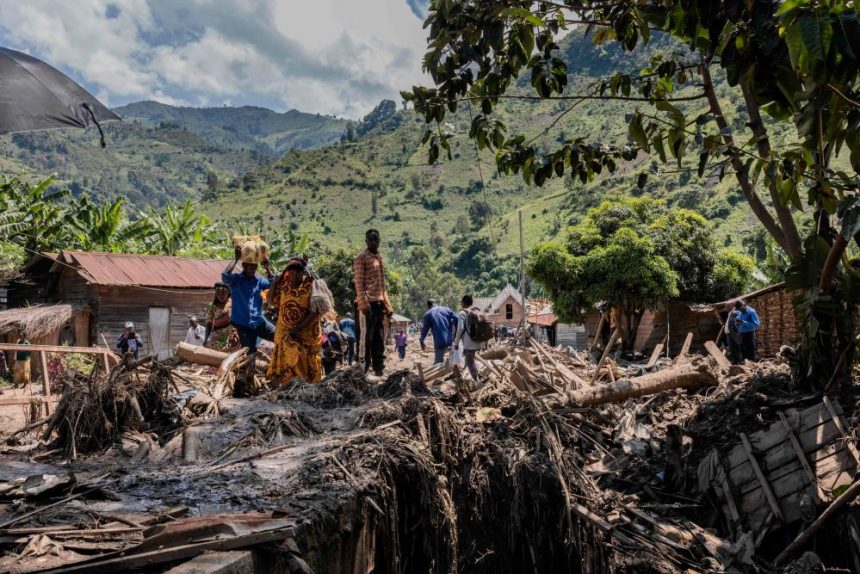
473 331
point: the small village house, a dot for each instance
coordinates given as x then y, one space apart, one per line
98 292
506 308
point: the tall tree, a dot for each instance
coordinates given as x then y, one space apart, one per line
796 60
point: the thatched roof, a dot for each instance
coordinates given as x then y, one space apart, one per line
36 321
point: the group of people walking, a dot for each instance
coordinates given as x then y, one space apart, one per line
305 344
236 316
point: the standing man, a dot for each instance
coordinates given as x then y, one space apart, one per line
371 299
442 321
129 342
400 344
734 350
347 327
196 334
246 313
747 322
473 331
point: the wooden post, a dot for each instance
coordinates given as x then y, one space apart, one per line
718 355
522 280
596 338
420 372
687 343
106 361
46 382
615 334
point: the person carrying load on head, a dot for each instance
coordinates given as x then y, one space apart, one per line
371 299
298 334
246 312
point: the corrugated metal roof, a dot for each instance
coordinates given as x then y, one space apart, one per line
543 319
121 269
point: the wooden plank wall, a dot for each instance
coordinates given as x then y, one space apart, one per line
116 305
778 323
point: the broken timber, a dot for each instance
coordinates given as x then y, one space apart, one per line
687 375
802 454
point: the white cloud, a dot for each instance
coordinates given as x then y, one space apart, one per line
328 56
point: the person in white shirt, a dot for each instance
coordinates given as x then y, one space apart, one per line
196 333
470 346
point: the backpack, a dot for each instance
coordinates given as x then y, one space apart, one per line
479 327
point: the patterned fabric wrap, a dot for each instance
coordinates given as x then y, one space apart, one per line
299 356
225 339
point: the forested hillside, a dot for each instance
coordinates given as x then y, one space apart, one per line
161 154
461 211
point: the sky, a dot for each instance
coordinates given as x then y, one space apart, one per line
336 57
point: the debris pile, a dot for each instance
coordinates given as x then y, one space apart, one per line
550 464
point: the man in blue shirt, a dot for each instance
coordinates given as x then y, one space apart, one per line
747 322
443 322
246 290
347 327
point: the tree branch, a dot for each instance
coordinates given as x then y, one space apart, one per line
786 221
586 97
758 208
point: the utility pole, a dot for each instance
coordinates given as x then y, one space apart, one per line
522 329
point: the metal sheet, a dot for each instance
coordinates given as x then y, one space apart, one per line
120 269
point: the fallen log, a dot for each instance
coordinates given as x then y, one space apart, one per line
200 355
684 376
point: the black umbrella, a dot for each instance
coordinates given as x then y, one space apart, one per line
35 96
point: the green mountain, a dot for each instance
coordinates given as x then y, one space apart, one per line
246 127
462 206
162 154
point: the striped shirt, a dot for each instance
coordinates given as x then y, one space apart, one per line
369 280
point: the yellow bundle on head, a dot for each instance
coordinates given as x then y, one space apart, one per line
254 249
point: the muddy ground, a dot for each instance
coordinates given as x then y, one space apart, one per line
399 477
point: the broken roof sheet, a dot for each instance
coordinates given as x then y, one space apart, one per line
121 269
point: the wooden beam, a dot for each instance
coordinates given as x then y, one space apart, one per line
654 356
612 338
599 330
801 456
46 382
687 343
840 426
53 349
765 485
718 355
126 560
14 401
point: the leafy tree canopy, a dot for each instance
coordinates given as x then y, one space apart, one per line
636 254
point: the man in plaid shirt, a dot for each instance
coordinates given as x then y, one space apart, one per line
371 298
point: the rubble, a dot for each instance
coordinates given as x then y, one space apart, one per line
535 468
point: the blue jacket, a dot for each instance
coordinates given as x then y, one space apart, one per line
247 308
347 327
443 322
748 320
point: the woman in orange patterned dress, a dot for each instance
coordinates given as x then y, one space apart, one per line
297 335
